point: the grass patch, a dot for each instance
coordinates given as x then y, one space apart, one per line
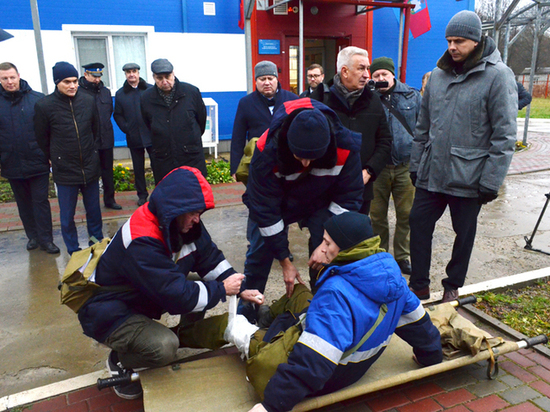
540 109
525 310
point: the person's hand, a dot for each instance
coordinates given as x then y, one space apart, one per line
366 176
258 408
317 259
290 274
234 176
232 284
413 178
486 196
252 295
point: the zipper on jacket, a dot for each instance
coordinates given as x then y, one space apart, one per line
78 138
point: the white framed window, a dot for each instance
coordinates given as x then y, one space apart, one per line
114 46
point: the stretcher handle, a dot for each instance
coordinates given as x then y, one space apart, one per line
463 301
537 340
117 380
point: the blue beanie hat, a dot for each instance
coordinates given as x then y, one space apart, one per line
464 24
349 229
62 70
309 135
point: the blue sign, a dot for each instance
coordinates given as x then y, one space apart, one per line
269 47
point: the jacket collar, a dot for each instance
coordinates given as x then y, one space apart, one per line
485 52
142 85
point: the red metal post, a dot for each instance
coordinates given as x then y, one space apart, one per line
404 54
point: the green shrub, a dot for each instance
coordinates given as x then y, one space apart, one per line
218 172
123 178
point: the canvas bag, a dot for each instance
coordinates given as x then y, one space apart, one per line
244 165
75 286
262 366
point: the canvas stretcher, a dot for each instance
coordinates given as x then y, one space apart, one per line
220 383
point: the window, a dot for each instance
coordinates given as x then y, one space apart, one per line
114 51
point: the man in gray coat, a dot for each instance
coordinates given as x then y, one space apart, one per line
462 148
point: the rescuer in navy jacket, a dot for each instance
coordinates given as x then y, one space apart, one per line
306 168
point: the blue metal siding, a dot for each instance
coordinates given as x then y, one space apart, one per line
165 16
425 50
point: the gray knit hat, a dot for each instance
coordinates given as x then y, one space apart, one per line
265 68
465 24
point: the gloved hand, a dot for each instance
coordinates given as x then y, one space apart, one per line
486 195
413 178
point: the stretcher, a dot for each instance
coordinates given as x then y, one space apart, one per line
219 382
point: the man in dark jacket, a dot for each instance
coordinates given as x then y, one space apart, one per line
128 117
524 97
255 111
315 78
66 124
91 83
23 163
305 168
360 110
175 114
151 256
463 146
402 105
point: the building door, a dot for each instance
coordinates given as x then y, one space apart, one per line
320 51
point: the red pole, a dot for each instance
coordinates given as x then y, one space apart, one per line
546 91
403 74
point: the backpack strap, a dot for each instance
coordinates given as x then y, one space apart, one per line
381 314
397 115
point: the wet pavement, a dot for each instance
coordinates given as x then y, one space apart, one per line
41 341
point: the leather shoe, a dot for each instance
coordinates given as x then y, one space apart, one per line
421 294
405 266
32 244
50 248
141 201
449 295
114 206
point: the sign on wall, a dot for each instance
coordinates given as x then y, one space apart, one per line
266 46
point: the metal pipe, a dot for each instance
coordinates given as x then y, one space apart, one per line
39 48
403 71
532 73
301 47
400 45
506 44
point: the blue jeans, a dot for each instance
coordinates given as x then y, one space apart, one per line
67 196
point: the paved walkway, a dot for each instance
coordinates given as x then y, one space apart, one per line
534 159
523 385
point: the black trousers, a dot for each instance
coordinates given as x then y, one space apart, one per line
427 209
31 196
138 162
106 159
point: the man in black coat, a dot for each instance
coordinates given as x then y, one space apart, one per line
128 117
91 83
176 116
360 110
66 124
23 163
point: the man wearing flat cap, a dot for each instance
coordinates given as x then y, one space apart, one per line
128 118
91 84
305 168
462 149
175 114
255 111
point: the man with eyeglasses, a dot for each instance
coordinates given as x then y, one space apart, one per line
255 111
315 77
